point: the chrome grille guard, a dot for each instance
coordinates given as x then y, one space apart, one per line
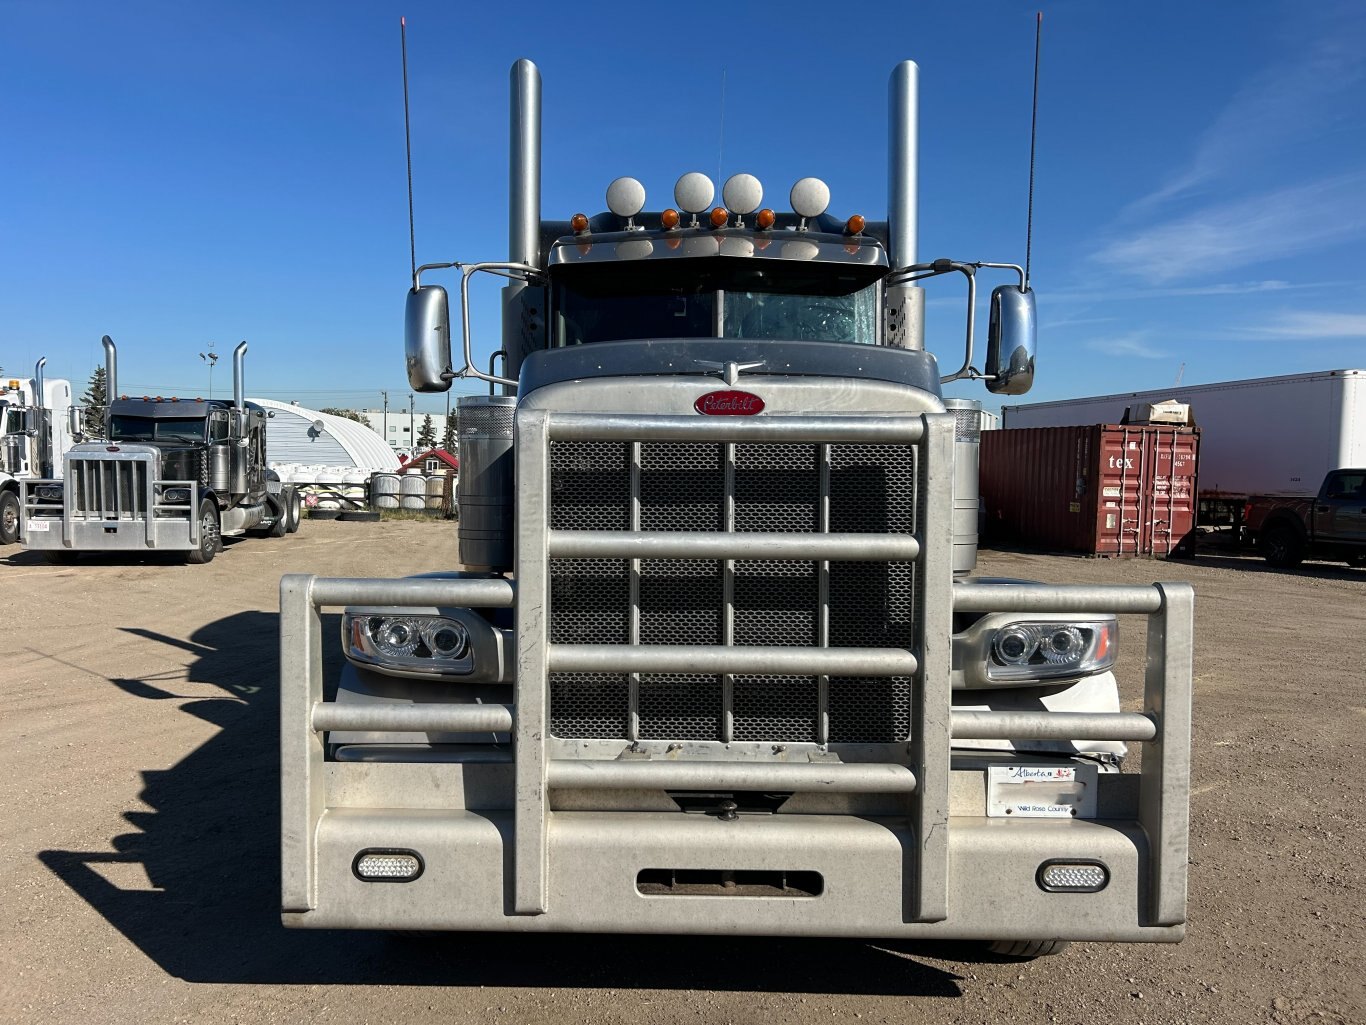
1163 725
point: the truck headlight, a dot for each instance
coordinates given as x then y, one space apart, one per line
176 496
422 644
1046 650
50 493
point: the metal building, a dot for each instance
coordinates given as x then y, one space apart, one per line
299 438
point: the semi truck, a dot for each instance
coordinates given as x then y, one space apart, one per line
1267 436
171 475
38 423
715 659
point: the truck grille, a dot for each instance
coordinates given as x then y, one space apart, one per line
749 487
108 489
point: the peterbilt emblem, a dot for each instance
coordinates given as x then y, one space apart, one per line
729 403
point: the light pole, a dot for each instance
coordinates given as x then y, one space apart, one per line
211 358
385 395
412 435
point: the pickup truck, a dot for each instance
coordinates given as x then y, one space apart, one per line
1330 526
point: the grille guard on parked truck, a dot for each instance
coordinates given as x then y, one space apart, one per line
1163 725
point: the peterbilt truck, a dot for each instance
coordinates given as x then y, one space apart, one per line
715 659
171 475
38 423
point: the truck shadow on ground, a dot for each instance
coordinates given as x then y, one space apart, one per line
208 909
25 557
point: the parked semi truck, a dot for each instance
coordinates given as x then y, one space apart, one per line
38 423
1330 525
715 660
171 475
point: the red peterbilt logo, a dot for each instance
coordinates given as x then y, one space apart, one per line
729 403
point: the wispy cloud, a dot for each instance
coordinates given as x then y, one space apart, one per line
1276 225
1094 295
1311 324
1295 99
1134 343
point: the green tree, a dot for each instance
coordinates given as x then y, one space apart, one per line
448 439
348 414
426 436
96 400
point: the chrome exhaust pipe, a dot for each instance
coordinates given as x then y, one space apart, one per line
111 369
38 383
238 383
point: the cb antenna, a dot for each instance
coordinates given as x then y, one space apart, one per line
408 143
1033 137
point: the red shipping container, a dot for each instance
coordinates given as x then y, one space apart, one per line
1112 490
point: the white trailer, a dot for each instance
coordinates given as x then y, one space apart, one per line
1264 436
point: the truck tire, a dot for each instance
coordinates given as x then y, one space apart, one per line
294 512
210 539
281 524
1028 950
9 517
1282 546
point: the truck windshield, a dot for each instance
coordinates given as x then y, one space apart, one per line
583 316
142 428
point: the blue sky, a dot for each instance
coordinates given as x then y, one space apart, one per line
177 175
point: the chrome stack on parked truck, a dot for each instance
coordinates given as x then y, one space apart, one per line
172 474
716 661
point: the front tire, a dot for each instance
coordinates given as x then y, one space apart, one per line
9 517
210 537
1028 950
1282 547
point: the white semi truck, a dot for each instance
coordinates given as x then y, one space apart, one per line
38 423
716 661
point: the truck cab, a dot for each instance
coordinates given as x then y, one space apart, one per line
38 423
714 660
172 474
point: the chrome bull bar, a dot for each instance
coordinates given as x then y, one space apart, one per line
1164 723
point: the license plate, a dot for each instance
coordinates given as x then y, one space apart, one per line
39 525
1041 791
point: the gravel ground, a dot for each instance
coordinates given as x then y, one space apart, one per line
139 884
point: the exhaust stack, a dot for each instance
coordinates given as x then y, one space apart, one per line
905 303
524 163
111 369
38 383
238 356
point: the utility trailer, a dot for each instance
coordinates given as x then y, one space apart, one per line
172 475
716 661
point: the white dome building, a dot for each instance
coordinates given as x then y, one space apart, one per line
303 443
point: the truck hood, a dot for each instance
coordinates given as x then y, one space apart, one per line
171 461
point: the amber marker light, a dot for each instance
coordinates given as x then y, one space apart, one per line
854 226
719 217
765 219
579 222
669 218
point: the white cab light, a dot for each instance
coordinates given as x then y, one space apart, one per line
387 866
694 192
1073 876
626 197
810 197
742 194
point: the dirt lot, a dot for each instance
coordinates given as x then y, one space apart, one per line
139 879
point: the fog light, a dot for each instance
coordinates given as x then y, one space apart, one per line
387 866
1073 876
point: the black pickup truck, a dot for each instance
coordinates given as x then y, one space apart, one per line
1330 526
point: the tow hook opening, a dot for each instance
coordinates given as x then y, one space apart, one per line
726 882
728 805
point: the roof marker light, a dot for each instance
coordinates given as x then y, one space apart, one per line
855 225
719 216
669 219
765 219
579 223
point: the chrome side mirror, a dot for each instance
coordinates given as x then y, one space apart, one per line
1012 339
427 339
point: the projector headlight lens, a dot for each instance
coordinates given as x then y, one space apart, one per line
413 644
1044 650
